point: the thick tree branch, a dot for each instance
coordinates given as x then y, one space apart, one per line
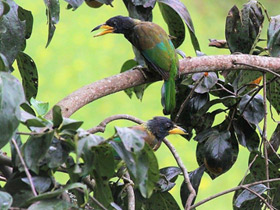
132 78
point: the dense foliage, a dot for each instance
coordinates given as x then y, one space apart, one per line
101 170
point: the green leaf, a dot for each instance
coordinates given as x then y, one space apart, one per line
142 165
273 38
253 110
55 193
75 3
57 116
162 201
11 96
168 176
195 178
107 2
133 140
29 75
4 64
138 90
57 154
12 36
70 124
276 198
273 93
103 160
217 150
247 195
137 12
173 12
4 8
52 11
41 183
6 199
243 28
32 157
246 134
207 82
40 107
53 203
25 15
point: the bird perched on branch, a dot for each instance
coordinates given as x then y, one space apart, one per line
155 130
154 45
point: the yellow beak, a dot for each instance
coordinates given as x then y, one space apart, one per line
178 130
108 29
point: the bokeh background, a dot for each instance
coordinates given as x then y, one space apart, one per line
74 59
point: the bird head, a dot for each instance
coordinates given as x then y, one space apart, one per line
118 24
162 127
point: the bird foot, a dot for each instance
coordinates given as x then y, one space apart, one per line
141 69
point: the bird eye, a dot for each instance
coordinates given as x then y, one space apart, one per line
168 125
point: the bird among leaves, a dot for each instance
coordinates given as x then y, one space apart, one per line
154 45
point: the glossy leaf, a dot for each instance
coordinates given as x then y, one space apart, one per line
25 15
249 204
40 107
70 124
276 198
6 200
4 8
170 173
206 83
57 116
247 195
11 96
55 193
217 150
133 140
273 93
53 203
246 134
161 201
41 183
142 165
138 12
75 3
32 157
12 36
253 110
195 178
29 75
103 172
243 27
57 154
170 10
273 36
52 11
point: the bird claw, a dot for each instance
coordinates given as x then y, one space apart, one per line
141 69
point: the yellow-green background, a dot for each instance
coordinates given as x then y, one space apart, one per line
74 59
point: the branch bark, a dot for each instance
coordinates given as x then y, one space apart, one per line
132 78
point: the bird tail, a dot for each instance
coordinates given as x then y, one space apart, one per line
168 96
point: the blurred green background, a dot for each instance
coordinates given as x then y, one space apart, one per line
74 59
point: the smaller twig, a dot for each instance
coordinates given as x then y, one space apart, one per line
102 126
130 191
259 196
250 165
232 190
273 150
187 99
93 199
257 67
25 168
264 136
225 89
27 133
185 173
